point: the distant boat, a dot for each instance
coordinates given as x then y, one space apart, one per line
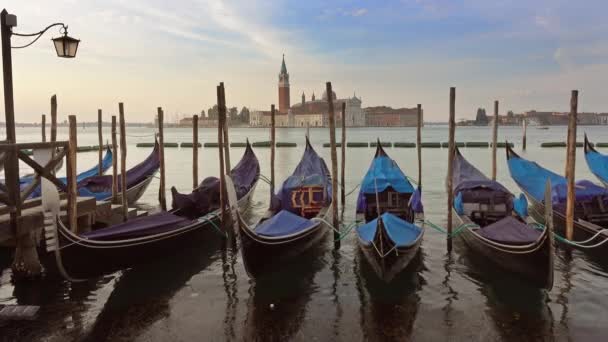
542 127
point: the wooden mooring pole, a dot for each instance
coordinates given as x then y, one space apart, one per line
334 165
451 152
494 140
123 162
194 151
343 159
114 162
54 118
71 175
225 120
43 125
523 139
161 157
419 144
571 165
220 145
53 123
100 142
272 150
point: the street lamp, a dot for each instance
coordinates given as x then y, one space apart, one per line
65 46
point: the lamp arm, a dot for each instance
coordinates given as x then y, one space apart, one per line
38 34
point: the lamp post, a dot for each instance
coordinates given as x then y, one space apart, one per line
65 46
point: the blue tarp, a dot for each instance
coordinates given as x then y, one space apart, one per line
106 163
598 164
401 232
533 178
282 224
584 191
384 173
510 230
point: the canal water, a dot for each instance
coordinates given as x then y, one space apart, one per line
203 293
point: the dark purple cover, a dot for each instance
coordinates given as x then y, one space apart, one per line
135 175
141 226
510 230
207 196
310 171
467 177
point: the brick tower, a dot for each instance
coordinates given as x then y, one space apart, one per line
284 102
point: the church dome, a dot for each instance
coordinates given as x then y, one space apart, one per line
333 95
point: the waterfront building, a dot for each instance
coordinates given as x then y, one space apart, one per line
383 116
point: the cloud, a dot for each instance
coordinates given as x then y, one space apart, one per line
358 12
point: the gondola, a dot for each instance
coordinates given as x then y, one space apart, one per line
597 162
591 203
498 227
388 204
139 178
106 164
143 239
295 221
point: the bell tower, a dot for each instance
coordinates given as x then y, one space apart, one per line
284 102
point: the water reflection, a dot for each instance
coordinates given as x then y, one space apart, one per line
63 307
141 295
276 307
517 308
388 310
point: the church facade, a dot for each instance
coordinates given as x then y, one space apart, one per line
311 113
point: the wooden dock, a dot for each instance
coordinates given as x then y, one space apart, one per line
90 214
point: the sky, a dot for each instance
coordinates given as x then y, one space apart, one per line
528 54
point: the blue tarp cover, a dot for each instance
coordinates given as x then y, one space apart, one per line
598 164
401 232
284 223
384 172
533 178
510 230
106 163
584 191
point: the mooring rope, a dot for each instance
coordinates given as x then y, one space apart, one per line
456 232
579 244
342 233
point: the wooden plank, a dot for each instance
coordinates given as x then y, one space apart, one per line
451 152
161 155
45 171
71 176
334 163
123 160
